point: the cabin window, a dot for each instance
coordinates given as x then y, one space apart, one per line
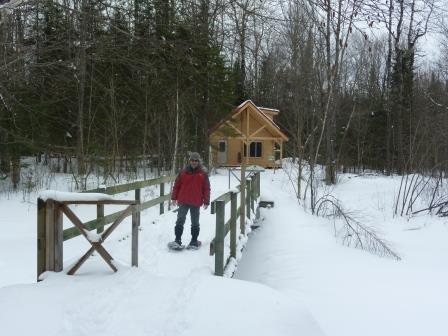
222 146
255 149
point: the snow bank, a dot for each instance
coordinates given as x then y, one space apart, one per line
135 302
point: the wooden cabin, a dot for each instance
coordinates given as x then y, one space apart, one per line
248 133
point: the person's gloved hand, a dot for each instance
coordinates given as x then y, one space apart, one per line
205 206
174 202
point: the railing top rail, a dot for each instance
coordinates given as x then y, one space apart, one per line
226 196
118 202
118 189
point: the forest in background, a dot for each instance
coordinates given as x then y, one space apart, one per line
103 81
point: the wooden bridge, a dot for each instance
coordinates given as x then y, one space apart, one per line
52 206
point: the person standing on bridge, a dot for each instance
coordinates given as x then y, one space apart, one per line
191 191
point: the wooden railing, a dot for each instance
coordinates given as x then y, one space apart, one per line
223 227
102 220
50 233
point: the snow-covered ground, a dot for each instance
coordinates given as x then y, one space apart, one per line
294 278
350 291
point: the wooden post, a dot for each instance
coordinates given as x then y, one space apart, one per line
257 185
137 206
256 195
100 216
252 192
41 242
53 237
49 235
219 238
162 193
243 198
248 198
135 225
233 216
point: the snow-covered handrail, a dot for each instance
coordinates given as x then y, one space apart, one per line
223 227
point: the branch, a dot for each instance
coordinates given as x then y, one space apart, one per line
356 234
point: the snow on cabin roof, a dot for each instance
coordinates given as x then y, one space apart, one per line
269 109
244 102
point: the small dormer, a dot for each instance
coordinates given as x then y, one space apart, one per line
270 113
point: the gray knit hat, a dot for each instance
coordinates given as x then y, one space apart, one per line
195 156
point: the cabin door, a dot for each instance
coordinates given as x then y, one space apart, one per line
222 152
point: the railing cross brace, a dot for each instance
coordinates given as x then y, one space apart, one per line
96 245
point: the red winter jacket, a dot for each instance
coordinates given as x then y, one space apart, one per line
192 187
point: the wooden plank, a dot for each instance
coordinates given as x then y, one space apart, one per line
101 251
247 134
224 197
94 224
248 197
135 225
138 201
226 231
41 237
281 151
219 238
91 225
58 239
243 199
100 217
81 261
105 255
75 220
49 235
153 202
105 202
234 128
132 186
233 217
111 228
162 192
252 193
257 131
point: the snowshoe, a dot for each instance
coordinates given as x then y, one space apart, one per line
194 245
176 246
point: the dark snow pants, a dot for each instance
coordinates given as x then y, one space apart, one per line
182 215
